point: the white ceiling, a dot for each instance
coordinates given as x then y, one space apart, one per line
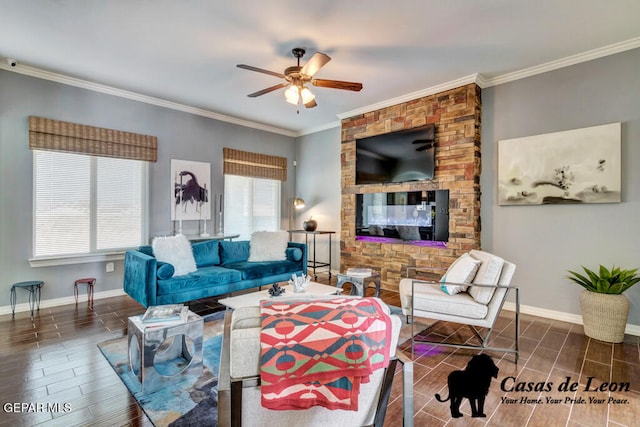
186 51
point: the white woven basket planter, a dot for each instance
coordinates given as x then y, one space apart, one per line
604 316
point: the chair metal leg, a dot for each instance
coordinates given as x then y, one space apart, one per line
236 403
385 392
407 390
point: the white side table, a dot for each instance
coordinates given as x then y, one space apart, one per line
360 283
161 354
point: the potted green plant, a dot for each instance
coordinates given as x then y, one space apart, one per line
604 309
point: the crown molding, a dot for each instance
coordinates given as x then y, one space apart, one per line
564 62
481 80
109 90
320 128
473 78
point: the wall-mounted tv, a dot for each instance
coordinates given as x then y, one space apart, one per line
402 156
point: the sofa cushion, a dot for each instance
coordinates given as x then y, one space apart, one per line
164 270
255 270
430 298
268 246
146 249
234 251
463 270
488 274
205 276
175 250
206 253
294 254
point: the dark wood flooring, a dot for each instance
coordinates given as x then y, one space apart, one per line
53 360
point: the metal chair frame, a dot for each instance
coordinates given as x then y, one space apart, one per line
484 340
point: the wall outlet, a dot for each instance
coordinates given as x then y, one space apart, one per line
110 267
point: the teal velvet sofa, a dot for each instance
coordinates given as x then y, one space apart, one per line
222 268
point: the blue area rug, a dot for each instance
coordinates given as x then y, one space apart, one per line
183 403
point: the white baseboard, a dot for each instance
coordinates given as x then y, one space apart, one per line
62 301
562 316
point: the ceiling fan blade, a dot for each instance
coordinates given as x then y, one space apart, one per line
317 61
311 104
267 90
337 84
423 141
260 70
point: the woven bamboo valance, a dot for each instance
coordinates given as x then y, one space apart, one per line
54 135
255 165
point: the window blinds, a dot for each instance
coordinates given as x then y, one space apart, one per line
55 135
255 165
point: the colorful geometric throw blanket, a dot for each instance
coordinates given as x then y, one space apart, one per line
317 353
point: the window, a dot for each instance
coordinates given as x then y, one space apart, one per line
251 204
86 205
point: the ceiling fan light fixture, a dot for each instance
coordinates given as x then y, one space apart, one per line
296 77
292 95
306 95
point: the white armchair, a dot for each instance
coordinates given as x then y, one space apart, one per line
472 292
239 384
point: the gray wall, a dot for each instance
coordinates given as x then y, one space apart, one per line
180 136
318 183
546 241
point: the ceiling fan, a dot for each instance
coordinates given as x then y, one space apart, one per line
298 77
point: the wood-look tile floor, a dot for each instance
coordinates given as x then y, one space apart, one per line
53 361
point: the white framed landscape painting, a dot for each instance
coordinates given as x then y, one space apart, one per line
574 166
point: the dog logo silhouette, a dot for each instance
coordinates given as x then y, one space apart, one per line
473 383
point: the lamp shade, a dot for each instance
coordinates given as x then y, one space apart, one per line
292 95
298 203
306 95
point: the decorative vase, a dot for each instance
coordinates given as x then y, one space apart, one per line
310 225
604 316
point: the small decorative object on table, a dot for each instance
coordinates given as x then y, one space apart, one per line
310 224
299 283
276 290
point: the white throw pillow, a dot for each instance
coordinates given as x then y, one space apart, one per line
175 250
463 270
268 246
488 274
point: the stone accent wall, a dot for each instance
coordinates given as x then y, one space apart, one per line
456 114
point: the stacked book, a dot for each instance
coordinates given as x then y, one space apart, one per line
359 272
164 315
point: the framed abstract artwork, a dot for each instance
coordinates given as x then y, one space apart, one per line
574 166
190 184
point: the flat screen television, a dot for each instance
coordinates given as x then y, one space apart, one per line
402 156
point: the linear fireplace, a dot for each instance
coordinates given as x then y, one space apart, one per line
414 217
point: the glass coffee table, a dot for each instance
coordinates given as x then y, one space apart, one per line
253 299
